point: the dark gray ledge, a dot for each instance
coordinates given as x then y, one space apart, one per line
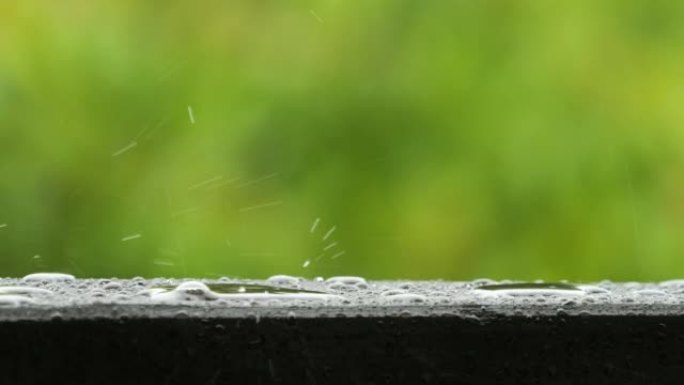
344 331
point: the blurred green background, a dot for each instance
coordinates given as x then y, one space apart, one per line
436 139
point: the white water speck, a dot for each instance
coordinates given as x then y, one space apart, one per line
130 237
330 246
260 206
341 253
36 256
125 149
191 115
306 263
329 233
3 225
258 180
315 224
316 16
206 182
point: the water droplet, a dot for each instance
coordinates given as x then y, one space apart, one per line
651 292
406 299
284 280
391 292
22 290
56 316
347 281
483 281
9 300
112 286
528 289
199 291
48 277
673 283
589 289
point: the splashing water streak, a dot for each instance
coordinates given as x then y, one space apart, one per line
205 183
191 115
257 180
315 15
341 253
131 237
329 233
260 206
315 225
125 149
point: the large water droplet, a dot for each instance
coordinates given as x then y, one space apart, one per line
651 292
284 280
9 300
23 290
224 288
48 277
406 299
199 291
531 289
343 282
186 291
112 286
673 284
590 289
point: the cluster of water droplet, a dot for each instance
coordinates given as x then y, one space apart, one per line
465 299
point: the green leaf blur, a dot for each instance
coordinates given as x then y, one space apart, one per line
437 139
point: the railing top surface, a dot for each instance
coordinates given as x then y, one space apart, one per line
61 297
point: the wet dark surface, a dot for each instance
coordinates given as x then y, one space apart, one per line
334 350
343 330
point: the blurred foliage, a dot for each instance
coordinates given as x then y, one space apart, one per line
441 139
